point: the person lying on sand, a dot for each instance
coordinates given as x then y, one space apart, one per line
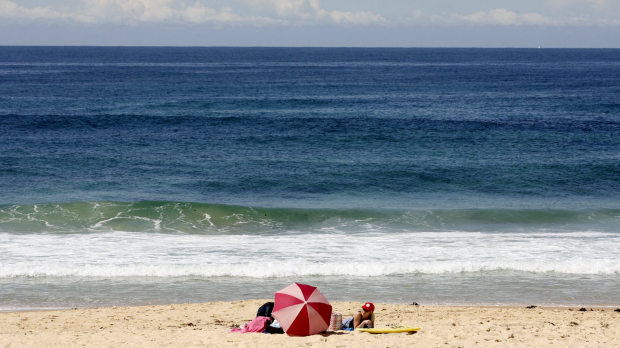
362 319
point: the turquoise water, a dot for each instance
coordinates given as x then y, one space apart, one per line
156 175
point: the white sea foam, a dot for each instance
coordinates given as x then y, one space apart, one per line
125 254
297 269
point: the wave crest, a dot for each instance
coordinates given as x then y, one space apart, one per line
202 218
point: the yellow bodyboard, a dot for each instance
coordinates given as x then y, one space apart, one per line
395 329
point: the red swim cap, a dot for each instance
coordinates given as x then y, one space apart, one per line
368 307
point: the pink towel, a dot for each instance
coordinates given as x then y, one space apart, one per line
256 325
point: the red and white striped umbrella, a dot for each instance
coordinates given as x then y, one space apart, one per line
302 310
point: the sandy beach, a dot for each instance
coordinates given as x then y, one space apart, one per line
207 325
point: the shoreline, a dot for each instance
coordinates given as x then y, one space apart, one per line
207 324
599 308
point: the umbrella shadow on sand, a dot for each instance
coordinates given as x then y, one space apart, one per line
327 334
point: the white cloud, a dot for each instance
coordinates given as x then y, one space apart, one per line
150 11
288 12
179 11
131 11
97 11
502 16
311 11
9 9
351 17
283 7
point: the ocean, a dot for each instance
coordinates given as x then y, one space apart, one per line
154 175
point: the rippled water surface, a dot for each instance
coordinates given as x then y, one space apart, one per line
157 175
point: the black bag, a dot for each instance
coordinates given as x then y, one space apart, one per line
265 310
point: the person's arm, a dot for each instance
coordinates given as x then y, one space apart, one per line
358 322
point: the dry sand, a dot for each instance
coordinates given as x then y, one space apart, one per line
207 325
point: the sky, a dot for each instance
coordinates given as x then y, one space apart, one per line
316 23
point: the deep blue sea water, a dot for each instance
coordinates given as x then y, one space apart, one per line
157 175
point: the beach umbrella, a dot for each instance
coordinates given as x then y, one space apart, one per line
302 310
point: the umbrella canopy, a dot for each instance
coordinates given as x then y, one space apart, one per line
302 310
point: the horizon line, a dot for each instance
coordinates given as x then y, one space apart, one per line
323 47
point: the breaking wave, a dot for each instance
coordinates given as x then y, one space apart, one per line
202 218
287 269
